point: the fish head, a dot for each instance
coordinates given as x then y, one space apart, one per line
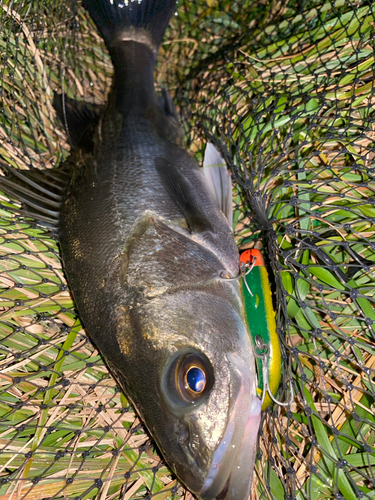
199 401
216 424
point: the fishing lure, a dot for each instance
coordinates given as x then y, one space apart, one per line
261 322
255 286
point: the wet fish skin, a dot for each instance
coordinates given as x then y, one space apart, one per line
138 278
144 245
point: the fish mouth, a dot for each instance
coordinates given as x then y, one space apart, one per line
231 470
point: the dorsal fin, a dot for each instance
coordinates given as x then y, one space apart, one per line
40 192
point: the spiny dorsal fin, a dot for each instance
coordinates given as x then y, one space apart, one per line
219 181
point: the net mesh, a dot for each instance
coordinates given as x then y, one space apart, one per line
285 91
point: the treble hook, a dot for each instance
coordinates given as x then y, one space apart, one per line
263 351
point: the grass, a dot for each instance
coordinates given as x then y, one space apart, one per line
287 95
291 108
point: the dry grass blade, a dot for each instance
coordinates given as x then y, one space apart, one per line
287 94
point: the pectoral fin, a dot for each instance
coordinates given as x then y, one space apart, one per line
219 181
183 194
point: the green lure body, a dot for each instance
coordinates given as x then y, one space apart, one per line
261 321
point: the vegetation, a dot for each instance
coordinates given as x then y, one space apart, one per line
287 96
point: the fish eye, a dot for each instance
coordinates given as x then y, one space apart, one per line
188 379
193 377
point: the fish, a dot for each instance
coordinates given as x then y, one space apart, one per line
151 261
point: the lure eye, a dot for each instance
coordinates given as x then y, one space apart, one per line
193 377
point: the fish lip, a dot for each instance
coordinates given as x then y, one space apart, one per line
230 473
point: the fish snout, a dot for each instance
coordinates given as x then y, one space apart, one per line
230 474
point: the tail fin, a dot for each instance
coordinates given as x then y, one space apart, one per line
118 18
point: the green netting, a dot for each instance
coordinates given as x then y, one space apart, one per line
286 92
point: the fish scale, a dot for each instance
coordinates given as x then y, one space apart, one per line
147 252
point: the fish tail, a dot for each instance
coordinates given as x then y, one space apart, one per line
143 21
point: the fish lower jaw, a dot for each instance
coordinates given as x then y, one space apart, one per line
232 481
230 474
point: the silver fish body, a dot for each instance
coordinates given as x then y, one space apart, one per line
145 250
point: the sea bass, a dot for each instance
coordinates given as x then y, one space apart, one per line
147 253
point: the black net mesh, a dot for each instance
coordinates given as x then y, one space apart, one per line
285 90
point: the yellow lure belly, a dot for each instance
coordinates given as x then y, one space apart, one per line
261 321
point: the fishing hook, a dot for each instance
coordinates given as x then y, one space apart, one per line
245 269
261 352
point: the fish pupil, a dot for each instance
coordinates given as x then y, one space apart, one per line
196 379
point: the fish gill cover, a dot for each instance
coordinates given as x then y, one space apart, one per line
285 91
